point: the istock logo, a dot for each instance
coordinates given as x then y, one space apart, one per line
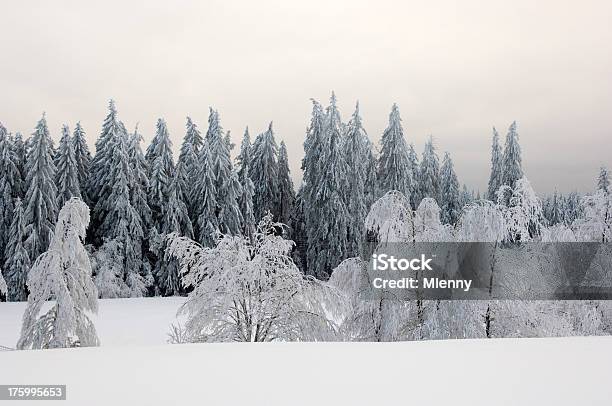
384 262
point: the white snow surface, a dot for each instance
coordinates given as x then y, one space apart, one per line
133 367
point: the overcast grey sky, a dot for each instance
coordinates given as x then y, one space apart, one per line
455 68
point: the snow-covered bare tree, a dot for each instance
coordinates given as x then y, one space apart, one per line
253 292
429 180
161 168
41 197
595 223
286 193
17 262
67 175
263 172
512 161
391 219
497 167
449 192
394 166
63 273
524 216
82 157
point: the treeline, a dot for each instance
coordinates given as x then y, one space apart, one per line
136 198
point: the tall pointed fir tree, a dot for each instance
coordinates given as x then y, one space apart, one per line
357 152
188 158
299 234
175 220
429 178
603 180
41 197
140 181
497 167
286 193
17 262
122 222
98 185
327 214
204 198
394 168
20 159
245 201
512 161
10 185
264 174
415 171
67 175
82 157
161 168
227 186
450 204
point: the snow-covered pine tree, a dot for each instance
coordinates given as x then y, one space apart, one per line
357 153
327 216
512 161
20 156
394 166
122 222
286 193
17 262
245 201
161 168
188 158
140 181
264 174
82 156
415 171
10 180
67 175
41 197
429 185
62 274
175 220
204 198
98 184
497 167
297 226
603 180
227 186
450 195
554 215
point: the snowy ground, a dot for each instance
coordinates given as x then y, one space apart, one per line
134 368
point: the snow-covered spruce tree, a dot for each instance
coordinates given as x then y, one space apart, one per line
204 198
122 222
17 262
140 181
357 153
429 185
553 213
415 171
327 216
98 184
394 166
286 193
512 161
188 158
62 274
264 174
161 168
41 197
82 157
175 220
245 201
497 167
603 180
67 175
227 186
449 192
297 226
19 149
252 292
9 186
